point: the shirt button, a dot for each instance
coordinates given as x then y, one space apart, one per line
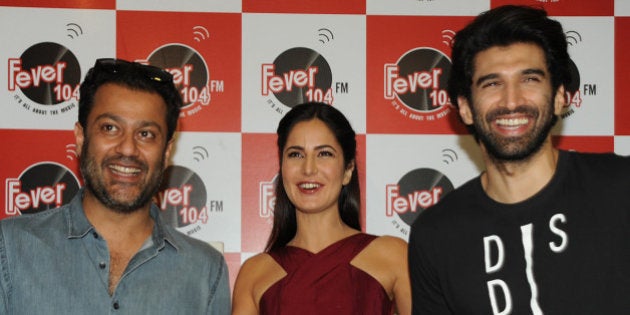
95 234
102 265
116 305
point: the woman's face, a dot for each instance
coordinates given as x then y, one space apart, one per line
313 169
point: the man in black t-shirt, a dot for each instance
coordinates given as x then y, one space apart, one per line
540 231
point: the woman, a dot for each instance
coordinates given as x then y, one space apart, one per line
317 261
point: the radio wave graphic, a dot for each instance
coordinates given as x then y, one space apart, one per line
71 151
325 35
200 33
573 37
200 153
74 30
447 37
449 156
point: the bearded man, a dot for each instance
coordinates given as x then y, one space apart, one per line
107 251
541 230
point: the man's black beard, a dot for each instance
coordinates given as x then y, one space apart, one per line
497 148
99 190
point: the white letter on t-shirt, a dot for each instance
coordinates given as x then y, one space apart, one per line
490 268
563 235
528 249
493 298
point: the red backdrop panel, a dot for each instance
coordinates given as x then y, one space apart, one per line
33 147
622 75
566 7
81 4
216 37
389 38
292 6
585 143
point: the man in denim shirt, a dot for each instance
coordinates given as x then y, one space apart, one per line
107 251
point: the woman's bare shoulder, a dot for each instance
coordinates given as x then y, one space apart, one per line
259 264
256 275
388 246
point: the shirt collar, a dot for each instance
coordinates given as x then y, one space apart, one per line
161 234
79 226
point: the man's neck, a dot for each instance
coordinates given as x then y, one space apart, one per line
512 182
125 233
114 225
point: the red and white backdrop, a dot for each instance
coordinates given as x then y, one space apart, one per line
242 64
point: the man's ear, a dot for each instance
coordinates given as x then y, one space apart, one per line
464 110
167 151
559 101
79 137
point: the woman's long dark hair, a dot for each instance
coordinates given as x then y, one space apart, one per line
284 221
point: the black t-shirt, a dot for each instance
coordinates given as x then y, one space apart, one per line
565 250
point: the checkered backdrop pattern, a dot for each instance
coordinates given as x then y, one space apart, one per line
242 64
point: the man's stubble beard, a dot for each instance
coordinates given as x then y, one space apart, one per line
515 149
97 187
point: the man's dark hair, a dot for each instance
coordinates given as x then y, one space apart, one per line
503 26
135 76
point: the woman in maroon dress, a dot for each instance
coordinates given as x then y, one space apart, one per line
317 260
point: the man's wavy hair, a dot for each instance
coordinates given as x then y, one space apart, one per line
504 26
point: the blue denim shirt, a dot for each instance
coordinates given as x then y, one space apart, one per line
55 262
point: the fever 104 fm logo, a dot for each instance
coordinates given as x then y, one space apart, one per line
415 192
183 200
296 76
45 79
190 75
40 187
416 84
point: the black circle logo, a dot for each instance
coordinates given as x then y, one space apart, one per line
426 72
46 186
182 197
49 74
422 188
304 59
189 69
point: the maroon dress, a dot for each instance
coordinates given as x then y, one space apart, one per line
325 283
